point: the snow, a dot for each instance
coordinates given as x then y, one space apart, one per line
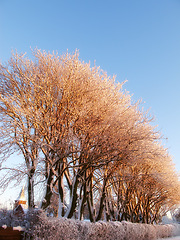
172 238
19 228
4 226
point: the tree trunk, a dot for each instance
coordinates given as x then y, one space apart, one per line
31 188
83 199
47 198
101 206
90 202
73 200
61 210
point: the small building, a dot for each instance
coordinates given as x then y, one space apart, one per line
20 204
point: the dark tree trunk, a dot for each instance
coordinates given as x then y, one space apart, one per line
60 187
101 206
73 199
31 189
47 199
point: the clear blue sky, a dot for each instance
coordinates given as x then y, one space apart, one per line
135 40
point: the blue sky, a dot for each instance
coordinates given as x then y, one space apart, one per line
135 40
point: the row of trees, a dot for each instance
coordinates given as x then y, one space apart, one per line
80 134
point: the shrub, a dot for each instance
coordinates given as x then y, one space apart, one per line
39 226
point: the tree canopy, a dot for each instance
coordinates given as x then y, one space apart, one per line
80 133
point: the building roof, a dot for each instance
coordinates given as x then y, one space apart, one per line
21 200
21 195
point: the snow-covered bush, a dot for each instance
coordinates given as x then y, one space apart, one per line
105 230
163 231
38 226
10 220
176 230
43 227
6 218
135 231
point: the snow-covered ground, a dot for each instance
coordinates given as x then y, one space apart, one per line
172 238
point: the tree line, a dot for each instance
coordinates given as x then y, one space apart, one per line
84 139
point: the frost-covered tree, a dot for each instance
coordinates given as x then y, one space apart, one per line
80 134
17 131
